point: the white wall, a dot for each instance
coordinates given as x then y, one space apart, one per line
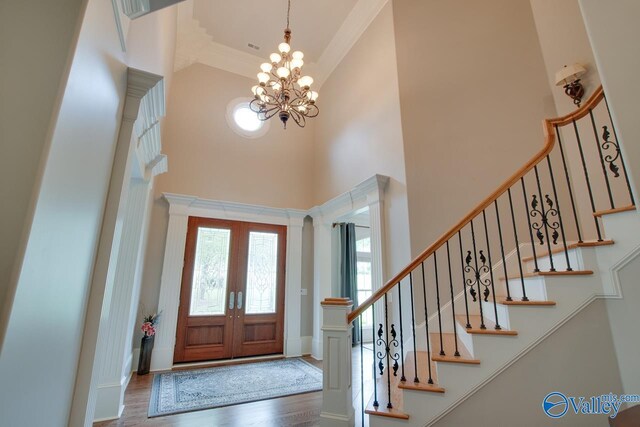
575 360
42 345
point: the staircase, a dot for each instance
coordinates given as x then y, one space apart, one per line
521 264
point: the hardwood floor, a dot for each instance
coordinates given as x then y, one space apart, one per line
299 410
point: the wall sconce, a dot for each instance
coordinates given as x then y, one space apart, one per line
569 77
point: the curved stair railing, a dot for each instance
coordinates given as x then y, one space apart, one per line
534 216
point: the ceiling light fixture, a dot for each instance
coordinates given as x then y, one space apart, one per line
282 89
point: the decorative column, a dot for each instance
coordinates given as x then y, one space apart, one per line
162 357
321 277
337 397
292 341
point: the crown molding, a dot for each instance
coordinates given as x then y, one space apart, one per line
194 45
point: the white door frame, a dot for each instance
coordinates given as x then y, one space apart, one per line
181 207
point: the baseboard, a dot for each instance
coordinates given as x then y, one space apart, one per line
108 400
306 345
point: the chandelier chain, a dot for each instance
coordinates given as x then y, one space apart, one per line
288 12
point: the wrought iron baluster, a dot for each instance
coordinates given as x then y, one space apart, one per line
464 285
388 346
493 291
373 358
453 304
586 176
504 260
476 274
624 167
569 187
402 377
413 331
435 263
426 322
361 371
555 195
545 215
533 245
612 166
515 234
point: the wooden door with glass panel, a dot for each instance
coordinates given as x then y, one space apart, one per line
232 295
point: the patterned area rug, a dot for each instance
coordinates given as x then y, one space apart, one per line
185 391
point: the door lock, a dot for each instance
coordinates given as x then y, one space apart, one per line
232 300
240 300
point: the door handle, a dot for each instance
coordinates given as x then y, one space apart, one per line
240 300
231 300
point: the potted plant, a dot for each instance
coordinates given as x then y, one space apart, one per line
149 329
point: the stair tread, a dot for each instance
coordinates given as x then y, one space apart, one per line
474 320
396 399
449 342
573 245
502 299
423 373
614 211
552 273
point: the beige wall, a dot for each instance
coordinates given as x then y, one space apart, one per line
574 360
358 132
32 72
473 92
209 160
53 285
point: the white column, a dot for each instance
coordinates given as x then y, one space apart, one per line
292 342
116 367
169 301
337 397
376 227
321 278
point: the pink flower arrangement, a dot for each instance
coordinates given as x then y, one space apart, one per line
149 324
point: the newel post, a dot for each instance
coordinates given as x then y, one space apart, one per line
337 399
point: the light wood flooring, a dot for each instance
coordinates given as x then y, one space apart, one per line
298 410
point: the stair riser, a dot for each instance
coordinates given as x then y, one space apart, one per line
534 287
489 311
559 261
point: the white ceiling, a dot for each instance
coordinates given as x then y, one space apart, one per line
261 22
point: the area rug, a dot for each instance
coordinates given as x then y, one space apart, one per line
184 391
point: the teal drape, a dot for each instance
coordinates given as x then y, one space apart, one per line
348 272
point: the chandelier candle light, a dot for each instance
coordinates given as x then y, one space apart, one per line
282 89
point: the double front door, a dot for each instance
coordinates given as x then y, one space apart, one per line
232 295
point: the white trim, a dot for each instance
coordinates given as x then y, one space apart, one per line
369 194
180 208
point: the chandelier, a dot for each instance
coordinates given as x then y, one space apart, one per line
282 89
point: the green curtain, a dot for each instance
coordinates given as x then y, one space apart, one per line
348 272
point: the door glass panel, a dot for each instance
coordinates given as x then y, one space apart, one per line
210 272
262 273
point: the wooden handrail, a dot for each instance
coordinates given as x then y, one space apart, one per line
550 139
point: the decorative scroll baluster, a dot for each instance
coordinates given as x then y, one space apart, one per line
413 331
586 176
464 285
426 322
493 291
555 195
402 377
388 354
612 166
435 263
453 303
477 271
569 187
624 167
515 235
545 215
533 245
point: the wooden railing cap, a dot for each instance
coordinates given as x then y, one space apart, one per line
337 301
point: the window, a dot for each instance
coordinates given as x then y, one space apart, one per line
243 121
363 269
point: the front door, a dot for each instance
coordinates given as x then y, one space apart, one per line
232 295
